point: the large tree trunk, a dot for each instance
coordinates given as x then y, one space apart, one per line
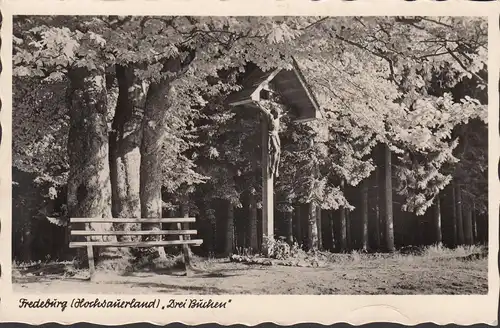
157 110
229 229
89 187
364 214
454 215
460 223
388 217
312 231
437 221
125 157
468 234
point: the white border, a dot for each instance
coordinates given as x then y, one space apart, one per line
245 309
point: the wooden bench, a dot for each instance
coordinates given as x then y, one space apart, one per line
184 236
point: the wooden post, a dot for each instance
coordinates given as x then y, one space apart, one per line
185 252
267 193
90 255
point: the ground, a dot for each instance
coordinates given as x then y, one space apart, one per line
451 272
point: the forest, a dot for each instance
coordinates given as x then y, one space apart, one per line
127 117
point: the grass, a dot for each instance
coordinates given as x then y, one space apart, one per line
430 270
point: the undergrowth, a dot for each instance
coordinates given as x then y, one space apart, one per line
294 255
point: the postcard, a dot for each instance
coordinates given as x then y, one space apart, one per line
248 162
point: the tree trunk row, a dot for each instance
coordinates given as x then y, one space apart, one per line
119 174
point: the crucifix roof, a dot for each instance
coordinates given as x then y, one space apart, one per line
291 86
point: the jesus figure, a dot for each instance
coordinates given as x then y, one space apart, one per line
272 115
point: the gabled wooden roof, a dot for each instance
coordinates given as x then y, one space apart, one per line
290 84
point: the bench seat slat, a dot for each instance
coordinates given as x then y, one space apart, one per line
135 244
132 233
131 220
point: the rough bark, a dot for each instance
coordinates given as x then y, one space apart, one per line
364 214
460 223
158 107
312 227
437 221
289 227
125 157
89 187
229 229
388 217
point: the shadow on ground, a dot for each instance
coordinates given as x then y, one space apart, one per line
169 288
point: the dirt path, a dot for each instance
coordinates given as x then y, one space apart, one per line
223 277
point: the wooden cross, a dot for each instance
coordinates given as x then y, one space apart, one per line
278 89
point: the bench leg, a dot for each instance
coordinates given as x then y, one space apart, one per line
90 255
185 253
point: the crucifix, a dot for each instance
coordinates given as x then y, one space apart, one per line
272 110
274 94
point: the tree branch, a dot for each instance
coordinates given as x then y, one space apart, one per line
463 66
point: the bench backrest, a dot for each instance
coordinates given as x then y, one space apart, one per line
89 233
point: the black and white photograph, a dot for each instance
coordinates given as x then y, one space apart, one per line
250 155
253 155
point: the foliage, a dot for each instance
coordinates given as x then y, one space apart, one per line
40 124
